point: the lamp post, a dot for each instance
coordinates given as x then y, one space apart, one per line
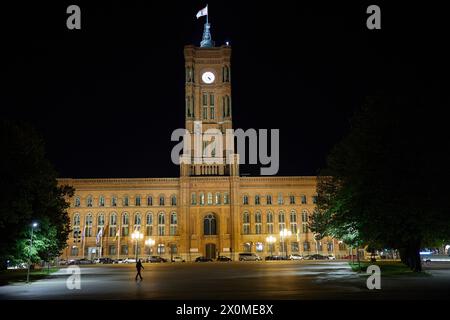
283 234
33 225
271 240
136 235
149 242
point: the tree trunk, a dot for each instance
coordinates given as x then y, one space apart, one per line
410 255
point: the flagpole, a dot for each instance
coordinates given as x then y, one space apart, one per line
207 13
101 244
84 238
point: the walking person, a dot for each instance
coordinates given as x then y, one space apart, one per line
139 267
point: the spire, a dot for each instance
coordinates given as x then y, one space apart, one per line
206 39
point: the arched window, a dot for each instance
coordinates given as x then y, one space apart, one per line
89 225
76 219
137 221
113 225
293 220
89 201
269 222
76 226
210 198
161 223
173 224
77 202
304 216
209 225
101 201
100 222
149 201
161 200
173 200
246 223
258 223
281 221
149 225
125 221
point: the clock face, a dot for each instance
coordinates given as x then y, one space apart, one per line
208 77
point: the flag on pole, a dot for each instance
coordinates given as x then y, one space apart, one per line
99 235
203 12
83 233
117 235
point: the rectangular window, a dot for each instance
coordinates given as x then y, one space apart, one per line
306 246
161 249
294 247
292 199
212 113
194 198
114 202
112 231
125 202
124 249
270 228
314 199
258 228
74 251
225 198
294 228
138 201
205 99
303 199
161 229
173 230
125 231
205 113
280 198
269 199
246 228
112 250
149 230
257 201
149 201
211 99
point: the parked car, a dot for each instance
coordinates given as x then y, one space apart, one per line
203 259
223 258
104 260
295 256
84 261
316 257
63 262
129 260
117 261
155 259
275 257
350 257
331 257
178 259
249 256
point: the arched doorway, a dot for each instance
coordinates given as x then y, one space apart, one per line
210 250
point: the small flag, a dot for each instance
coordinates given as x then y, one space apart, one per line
203 12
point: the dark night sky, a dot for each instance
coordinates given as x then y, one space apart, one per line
107 98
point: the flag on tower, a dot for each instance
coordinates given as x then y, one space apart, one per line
203 12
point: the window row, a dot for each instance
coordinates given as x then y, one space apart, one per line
210 198
125 201
293 245
160 248
269 222
113 229
280 199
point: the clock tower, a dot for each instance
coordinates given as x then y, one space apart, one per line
208 108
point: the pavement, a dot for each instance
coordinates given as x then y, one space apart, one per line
266 280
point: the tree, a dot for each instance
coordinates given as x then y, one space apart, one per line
382 180
30 193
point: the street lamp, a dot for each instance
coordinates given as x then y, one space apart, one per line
136 235
271 240
33 225
150 242
283 234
